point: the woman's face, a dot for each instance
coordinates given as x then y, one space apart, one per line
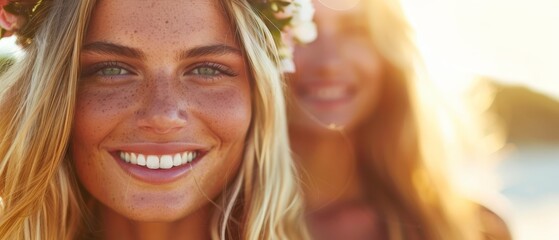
163 107
338 77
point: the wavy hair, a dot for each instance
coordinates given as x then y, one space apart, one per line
403 143
40 196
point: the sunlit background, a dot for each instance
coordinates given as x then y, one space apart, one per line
514 41
511 49
512 46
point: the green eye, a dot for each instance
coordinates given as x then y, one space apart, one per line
112 71
207 71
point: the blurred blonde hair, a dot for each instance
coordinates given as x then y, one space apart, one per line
40 195
403 142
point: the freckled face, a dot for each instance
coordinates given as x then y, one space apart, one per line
165 80
339 75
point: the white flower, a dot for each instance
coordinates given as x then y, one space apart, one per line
287 65
303 27
305 32
286 56
300 29
305 11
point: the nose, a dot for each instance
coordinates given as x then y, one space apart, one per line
162 112
328 51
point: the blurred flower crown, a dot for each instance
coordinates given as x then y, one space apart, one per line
289 21
15 16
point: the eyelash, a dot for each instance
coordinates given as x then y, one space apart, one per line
219 68
97 68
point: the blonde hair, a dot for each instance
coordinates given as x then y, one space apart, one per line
402 142
39 191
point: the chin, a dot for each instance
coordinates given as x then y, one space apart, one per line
153 218
152 208
156 214
328 122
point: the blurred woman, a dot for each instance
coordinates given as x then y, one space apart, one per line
366 134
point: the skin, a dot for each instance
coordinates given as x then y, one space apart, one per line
344 61
348 64
158 98
342 58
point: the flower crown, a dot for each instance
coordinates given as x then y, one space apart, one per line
289 21
15 16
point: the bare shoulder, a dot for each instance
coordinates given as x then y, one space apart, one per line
494 227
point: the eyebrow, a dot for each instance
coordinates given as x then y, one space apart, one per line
113 49
217 49
119 50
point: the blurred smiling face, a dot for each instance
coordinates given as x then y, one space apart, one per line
163 107
339 75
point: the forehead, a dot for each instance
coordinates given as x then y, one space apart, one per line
159 22
335 11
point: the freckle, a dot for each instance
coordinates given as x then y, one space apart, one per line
166 21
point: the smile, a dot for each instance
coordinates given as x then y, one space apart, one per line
329 93
166 161
326 93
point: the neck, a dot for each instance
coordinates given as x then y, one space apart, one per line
329 167
116 226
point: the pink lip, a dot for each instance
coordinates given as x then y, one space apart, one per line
309 94
328 105
158 176
159 148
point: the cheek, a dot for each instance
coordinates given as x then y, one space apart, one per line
98 112
303 56
371 75
226 112
364 57
366 63
372 78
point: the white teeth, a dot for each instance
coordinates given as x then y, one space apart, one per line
152 162
158 162
329 93
166 162
189 158
141 160
177 160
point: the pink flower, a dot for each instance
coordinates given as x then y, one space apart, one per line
10 22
